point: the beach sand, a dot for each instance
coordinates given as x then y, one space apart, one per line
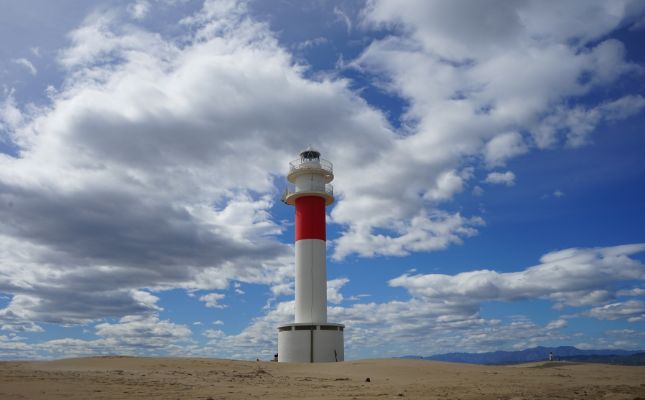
192 378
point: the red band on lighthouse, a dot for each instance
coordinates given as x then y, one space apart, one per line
310 218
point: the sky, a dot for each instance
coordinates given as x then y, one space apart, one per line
489 162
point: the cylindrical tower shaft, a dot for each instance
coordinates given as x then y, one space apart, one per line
310 338
311 269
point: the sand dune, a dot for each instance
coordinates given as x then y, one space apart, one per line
184 378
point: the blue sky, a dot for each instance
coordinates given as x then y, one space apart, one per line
489 161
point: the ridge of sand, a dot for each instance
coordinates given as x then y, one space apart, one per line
118 377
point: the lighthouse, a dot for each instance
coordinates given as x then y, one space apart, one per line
310 338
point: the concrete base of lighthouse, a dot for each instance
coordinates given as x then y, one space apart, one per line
308 343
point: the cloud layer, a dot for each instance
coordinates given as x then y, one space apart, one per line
444 311
155 165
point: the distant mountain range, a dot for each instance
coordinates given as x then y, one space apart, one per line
562 353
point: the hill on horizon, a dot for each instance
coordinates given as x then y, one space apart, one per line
541 353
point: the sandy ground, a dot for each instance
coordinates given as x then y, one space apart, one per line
184 378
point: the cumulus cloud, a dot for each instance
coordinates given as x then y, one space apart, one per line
397 323
415 326
424 232
572 277
501 178
143 331
504 146
153 179
473 77
14 347
259 339
10 116
132 334
443 313
579 122
238 288
138 175
444 310
448 183
333 290
632 311
557 324
615 339
212 299
283 289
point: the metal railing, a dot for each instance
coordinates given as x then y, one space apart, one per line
319 163
292 189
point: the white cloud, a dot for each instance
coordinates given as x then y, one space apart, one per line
557 324
579 298
333 290
145 331
441 314
573 277
358 297
283 289
258 340
621 108
615 339
132 334
185 130
502 147
501 178
472 77
632 311
212 299
11 321
393 328
165 184
10 116
311 43
422 233
14 348
443 311
448 183
139 9
579 122
26 64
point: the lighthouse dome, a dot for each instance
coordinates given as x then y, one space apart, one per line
309 154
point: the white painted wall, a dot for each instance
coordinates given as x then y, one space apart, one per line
295 346
325 342
311 281
310 183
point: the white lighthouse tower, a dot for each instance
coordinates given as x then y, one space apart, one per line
311 338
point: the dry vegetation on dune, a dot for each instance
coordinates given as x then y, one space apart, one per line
183 378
